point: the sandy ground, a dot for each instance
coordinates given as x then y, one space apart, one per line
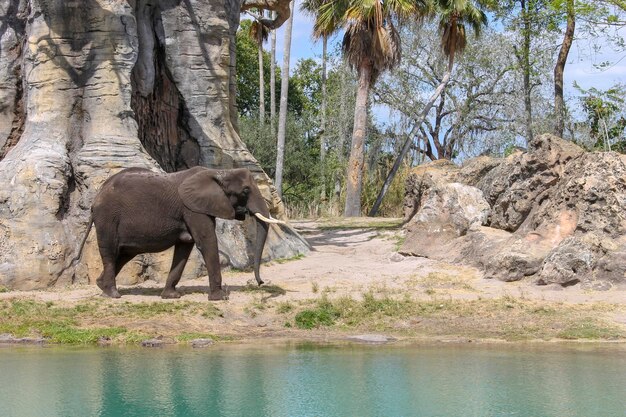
343 261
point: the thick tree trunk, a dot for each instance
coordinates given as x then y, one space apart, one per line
282 113
559 69
354 182
107 86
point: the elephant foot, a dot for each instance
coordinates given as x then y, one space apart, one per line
111 293
218 295
170 293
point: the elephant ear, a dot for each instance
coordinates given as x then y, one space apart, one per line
202 193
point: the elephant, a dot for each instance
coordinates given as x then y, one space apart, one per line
138 211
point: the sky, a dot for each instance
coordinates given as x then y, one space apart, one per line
580 66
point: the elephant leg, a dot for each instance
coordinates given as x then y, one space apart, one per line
202 228
181 255
106 280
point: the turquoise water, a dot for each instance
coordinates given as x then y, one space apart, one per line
314 381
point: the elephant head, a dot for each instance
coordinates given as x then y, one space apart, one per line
229 194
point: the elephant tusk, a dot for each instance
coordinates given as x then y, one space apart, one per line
270 220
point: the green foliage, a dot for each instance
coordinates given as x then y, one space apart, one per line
248 77
606 116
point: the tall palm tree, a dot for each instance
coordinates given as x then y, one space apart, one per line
371 45
454 16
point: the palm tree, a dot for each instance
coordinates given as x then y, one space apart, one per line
453 15
371 45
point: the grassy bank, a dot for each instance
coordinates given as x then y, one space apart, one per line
506 318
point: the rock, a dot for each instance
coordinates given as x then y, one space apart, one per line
130 84
372 338
557 213
396 257
421 179
152 343
475 169
201 343
516 258
524 180
588 259
447 213
6 338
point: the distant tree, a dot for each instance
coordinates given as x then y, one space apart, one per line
606 116
282 114
259 34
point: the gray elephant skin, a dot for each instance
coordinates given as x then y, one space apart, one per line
138 211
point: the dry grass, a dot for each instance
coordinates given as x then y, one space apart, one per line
504 318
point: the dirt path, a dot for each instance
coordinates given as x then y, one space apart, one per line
346 261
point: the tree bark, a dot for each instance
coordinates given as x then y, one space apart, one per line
523 58
273 78
261 87
108 86
559 69
354 181
323 122
282 114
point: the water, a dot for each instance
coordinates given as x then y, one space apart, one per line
314 381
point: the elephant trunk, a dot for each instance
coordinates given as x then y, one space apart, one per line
262 229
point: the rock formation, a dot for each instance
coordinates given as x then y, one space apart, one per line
554 213
88 87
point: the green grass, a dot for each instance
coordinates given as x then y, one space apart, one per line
91 321
505 318
268 289
3 289
189 336
590 329
293 258
23 318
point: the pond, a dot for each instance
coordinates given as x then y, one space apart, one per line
314 380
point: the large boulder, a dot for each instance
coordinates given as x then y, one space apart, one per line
525 179
447 213
557 214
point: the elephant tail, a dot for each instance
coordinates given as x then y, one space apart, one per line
79 250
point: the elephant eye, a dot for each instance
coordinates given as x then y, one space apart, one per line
246 190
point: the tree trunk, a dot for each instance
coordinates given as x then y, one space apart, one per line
261 87
282 113
342 138
323 122
523 58
409 140
108 86
559 69
273 78
354 180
